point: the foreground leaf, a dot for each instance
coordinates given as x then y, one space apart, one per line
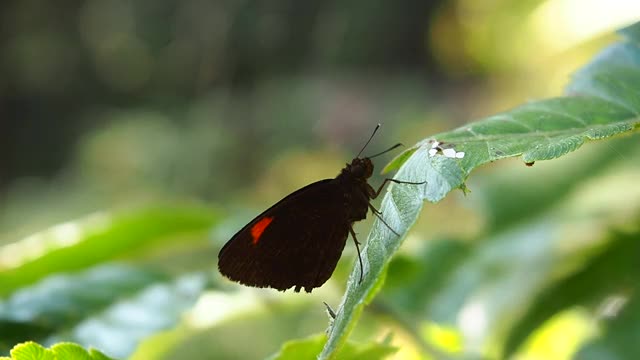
60 351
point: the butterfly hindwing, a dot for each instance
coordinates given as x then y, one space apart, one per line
295 243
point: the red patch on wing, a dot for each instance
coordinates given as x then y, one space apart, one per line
258 228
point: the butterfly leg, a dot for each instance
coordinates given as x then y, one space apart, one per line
378 214
374 210
353 235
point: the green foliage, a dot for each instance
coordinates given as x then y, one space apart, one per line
560 237
308 349
98 238
621 339
603 101
586 287
60 300
132 319
60 351
63 303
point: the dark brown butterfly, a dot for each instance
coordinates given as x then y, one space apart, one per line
298 241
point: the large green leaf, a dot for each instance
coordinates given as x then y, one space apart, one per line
62 300
97 238
130 320
604 100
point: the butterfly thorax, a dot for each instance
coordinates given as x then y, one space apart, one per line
357 191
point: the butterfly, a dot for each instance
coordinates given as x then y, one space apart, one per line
298 241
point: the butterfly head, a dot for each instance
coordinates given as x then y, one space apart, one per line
361 168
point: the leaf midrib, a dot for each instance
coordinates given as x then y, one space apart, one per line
537 134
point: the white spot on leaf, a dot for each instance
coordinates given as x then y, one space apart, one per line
450 153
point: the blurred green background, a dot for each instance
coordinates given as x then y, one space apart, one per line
137 136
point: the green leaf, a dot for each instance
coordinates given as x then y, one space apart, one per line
61 351
31 351
100 237
96 306
70 351
300 349
604 101
97 355
131 320
310 347
59 301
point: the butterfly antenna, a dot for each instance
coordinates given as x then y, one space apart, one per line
386 151
368 141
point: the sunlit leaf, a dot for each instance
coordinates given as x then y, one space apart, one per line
560 337
61 351
100 237
31 350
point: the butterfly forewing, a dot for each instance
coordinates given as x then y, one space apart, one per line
295 243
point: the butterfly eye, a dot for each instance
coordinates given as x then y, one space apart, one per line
358 170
